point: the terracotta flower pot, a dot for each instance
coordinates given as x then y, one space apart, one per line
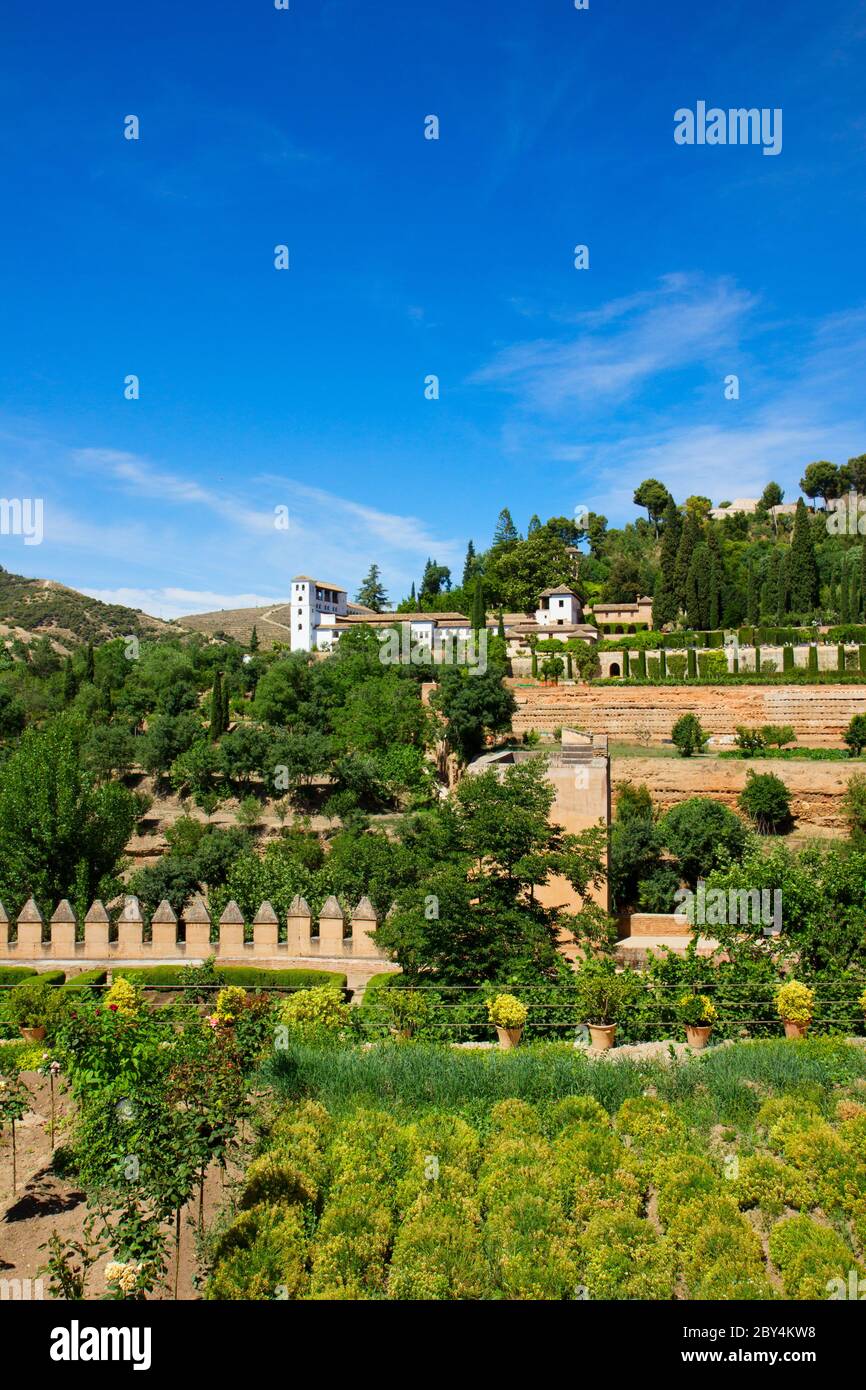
795 1030
509 1037
32 1034
697 1035
602 1035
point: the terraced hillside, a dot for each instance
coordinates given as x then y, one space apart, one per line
32 608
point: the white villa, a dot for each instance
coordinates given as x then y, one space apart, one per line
321 612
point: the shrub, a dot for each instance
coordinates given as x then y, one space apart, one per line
506 1011
764 1181
855 734
795 1002
602 993
766 801
229 1003
315 1011
688 735
30 1004
624 1258
123 998
810 1257
696 1010
778 735
262 1255
749 741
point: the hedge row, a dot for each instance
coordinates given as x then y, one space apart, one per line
247 976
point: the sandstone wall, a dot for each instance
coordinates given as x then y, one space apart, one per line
816 788
819 714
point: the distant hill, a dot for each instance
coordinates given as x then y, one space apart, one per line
272 623
31 608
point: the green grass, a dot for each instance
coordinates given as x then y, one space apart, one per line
405 1077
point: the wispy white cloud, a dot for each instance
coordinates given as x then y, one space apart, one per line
623 345
176 603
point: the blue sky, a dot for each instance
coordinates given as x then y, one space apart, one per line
305 388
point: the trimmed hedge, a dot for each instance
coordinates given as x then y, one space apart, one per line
87 978
247 976
12 974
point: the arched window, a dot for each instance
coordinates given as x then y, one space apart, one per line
614 669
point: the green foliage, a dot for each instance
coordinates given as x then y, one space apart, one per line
766 801
688 736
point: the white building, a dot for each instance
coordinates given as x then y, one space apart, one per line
316 606
321 612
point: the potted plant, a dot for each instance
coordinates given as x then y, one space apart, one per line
602 992
508 1015
28 1006
696 1012
795 1003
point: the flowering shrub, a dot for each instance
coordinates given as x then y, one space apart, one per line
123 998
696 1010
795 1002
229 1003
506 1011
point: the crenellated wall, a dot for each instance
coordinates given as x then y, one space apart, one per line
340 943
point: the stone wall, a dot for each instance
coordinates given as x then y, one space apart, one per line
819 714
340 943
816 788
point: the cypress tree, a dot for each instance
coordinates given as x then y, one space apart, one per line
500 627
803 566
216 707
714 595
698 589
70 685
89 664
753 614
784 588
470 565
665 603
863 580
225 707
254 640
479 611
844 597
770 588
689 541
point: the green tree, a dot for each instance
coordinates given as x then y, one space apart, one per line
654 496
821 480
61 834
13 715
254 640
688 736
506 532
472 705
803 572
753 598
665 602
855 735
470 565
690 539
372 593
216 707
766 801
702 835
771 498
479 607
